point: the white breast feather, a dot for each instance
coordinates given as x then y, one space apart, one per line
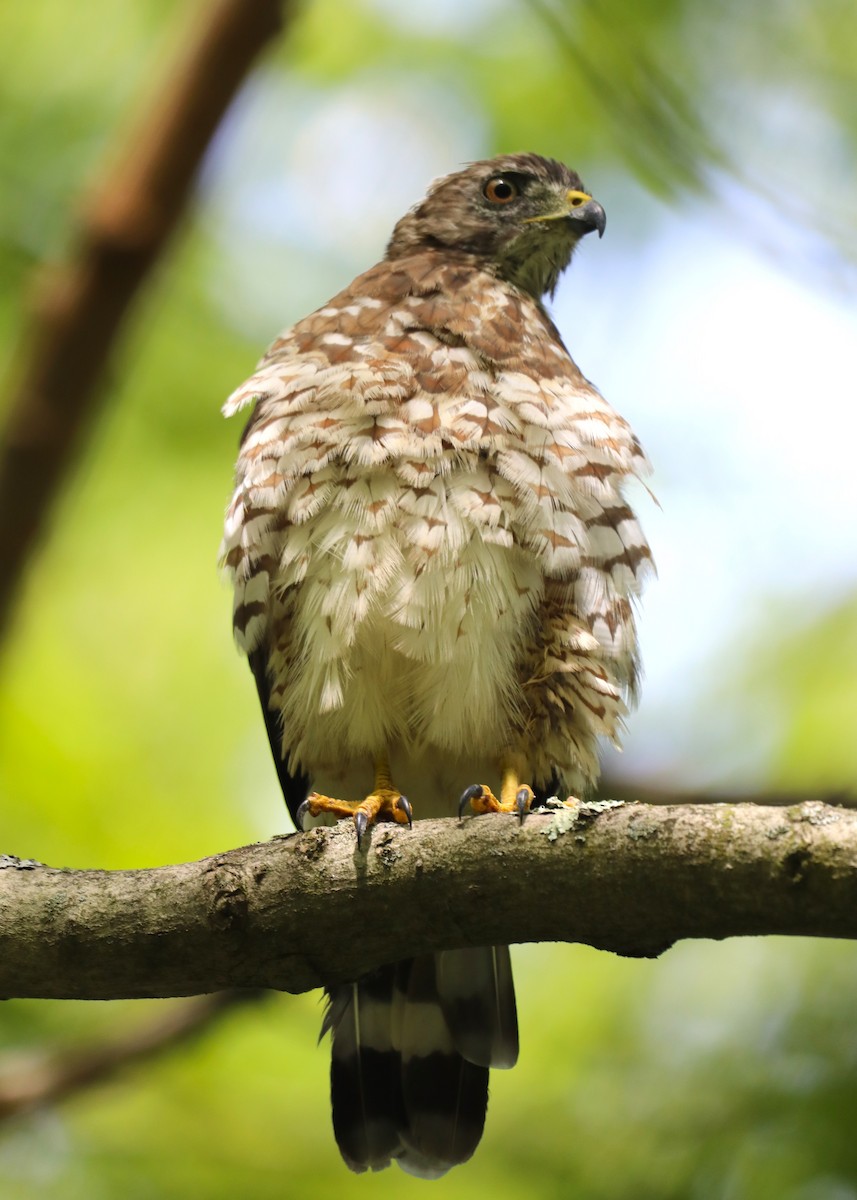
398 573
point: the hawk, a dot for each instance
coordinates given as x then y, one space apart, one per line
434 568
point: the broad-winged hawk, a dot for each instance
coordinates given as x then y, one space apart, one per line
434 569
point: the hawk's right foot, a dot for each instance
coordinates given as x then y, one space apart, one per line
384 803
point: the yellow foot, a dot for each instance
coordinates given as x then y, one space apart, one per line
515 797
382 804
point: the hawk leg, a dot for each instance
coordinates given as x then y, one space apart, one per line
515 797
384 803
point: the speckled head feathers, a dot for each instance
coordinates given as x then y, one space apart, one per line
519 213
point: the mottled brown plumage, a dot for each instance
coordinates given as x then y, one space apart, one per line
433 560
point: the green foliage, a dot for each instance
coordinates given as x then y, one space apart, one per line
806 674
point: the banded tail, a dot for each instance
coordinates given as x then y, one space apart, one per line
412 1045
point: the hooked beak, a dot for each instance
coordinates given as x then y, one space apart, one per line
579 207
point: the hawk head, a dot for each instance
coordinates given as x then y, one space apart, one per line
521 214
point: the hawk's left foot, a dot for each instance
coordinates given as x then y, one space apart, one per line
515 797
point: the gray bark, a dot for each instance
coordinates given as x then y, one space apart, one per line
304 910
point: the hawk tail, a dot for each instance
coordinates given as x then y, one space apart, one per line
412 1044
365 1080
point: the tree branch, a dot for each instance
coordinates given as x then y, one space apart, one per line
81 307
309 909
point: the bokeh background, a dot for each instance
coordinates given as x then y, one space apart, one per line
719 314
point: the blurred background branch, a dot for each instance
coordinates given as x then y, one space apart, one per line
80 307
40 1078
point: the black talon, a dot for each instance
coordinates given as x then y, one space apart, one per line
404 805
471 793
522 802
360 823
303 809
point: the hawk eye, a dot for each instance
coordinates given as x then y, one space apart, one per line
500 190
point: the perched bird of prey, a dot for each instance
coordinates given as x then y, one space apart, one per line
434 568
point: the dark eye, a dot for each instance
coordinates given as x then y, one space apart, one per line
500 190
